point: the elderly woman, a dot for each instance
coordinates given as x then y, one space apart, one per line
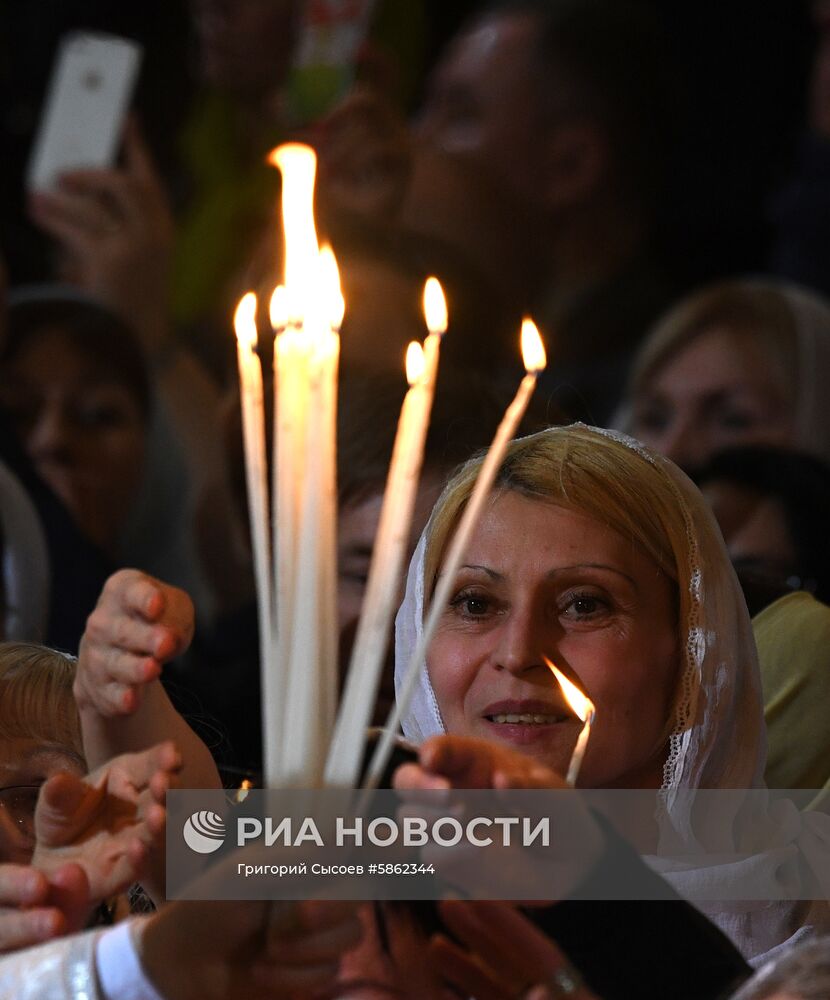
743 362
604 558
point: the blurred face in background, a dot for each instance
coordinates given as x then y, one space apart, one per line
244 45
483 104
719 390
25 764
82 429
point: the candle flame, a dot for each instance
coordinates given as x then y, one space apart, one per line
435 306
335 305
278 308
533 350
581 705
298 165
244 320
415 362
242 791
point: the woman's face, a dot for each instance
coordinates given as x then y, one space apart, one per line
718 391
25 764
542 581
82 430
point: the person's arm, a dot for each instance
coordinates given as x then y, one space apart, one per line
138 625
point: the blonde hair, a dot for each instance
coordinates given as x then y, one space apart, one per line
620 485
754 310
36 700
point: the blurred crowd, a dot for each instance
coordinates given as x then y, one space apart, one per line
650 182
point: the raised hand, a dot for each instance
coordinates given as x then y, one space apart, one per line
108 822
116 232
138 625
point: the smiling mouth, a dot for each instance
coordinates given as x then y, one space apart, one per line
525 719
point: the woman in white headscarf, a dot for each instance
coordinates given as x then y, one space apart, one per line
604 557
737 363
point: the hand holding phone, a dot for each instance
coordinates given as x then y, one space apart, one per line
85 108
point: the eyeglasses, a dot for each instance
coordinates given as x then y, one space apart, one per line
18 802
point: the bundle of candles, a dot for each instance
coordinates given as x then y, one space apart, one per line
294 535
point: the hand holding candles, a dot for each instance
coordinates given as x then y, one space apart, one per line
584 709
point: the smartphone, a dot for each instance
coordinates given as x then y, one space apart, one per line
88 97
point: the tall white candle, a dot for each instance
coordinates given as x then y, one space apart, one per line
534 359
256 474
389 550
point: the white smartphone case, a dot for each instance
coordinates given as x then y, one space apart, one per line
88 97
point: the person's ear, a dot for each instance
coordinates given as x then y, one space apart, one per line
576 159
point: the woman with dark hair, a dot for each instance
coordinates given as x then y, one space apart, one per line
74 384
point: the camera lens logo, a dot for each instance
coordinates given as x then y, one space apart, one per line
204 832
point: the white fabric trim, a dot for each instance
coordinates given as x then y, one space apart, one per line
120 974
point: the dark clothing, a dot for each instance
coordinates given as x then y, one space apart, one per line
801 215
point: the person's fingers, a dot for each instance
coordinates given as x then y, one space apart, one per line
115 190
280 980
65 231
504 934
69 892
139 161
24 928
465 973
316 948
64 808
414 777
139 768
330 930
63 794
137 594
22 885
456 758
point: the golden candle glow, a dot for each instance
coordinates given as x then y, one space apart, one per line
334 303
583 708
435 306
278 308
533 350
415 362
298 165
244 320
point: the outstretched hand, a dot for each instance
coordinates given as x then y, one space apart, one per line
138 625
108 822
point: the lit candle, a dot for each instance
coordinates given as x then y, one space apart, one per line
256 473
306 316
533 354
390 549
584 709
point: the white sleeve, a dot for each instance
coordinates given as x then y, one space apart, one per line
120 975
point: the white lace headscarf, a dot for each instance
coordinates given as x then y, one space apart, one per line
717 737
803 334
